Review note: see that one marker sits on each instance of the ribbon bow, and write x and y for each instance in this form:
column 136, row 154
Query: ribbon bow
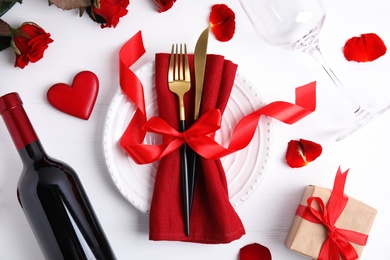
column 195, row 136
column 338, row 241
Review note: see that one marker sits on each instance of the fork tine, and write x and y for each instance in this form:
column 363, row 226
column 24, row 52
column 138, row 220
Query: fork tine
column 179, row 59
column 180, row 65
column 171, row 64
column 186, row 66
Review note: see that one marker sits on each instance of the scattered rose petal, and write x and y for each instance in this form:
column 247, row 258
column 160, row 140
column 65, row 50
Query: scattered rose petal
column 367, row 47
column 255, row 252
column 222, row 22
column 302, row 152
column 164, row 5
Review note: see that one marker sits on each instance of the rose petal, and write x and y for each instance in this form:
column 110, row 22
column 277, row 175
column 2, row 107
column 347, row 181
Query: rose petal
column 367, row 47
column 294, row 156
column 302, row 152
column 222, row 22
column 255, row 252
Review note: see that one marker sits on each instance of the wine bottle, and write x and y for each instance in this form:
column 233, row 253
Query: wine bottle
column 52, row 196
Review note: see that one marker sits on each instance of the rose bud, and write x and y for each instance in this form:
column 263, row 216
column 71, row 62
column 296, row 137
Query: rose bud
column 164, row 5
column 108, row 12
column 29, row 42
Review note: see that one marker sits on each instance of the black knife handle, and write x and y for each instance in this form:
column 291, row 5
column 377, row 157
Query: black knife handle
column 192, row 161
column 185, row 181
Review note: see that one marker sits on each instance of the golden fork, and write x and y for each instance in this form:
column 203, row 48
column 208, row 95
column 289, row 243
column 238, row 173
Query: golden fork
column 179, row 83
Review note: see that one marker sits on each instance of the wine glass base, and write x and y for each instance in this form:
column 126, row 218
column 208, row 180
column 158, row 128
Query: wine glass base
column 363, row 118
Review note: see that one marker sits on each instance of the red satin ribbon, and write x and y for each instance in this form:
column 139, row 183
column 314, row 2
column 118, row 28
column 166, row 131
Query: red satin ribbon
column 338, row 241
column 130, row 52
column 200, row 136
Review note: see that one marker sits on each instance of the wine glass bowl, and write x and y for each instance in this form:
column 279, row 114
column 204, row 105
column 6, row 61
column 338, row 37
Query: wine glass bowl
column 295, row 25
column 291, row 27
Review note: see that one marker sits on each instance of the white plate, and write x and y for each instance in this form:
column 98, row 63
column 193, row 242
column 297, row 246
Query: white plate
column 244, row 169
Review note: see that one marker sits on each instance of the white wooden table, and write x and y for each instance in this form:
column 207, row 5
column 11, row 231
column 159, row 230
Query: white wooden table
column 80, row 44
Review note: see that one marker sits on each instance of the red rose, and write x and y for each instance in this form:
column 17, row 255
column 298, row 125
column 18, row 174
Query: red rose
column 29, row 42
column 110, row 11
column 164, row 5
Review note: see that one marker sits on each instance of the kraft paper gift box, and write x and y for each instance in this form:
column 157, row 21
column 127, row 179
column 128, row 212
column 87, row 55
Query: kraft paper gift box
column 307, row 236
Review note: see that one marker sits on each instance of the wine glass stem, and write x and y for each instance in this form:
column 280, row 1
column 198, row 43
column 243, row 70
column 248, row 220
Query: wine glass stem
column 317, row 55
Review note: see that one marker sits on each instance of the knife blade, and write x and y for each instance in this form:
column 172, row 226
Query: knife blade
column 200, row 55
column 200, row 66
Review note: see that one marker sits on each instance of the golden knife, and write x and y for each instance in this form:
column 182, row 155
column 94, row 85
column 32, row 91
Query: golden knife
column 200, row 66
column 200, row 54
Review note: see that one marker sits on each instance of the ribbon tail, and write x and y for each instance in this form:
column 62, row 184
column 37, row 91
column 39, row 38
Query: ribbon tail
column 333, row 248
column 132, row 87
column 305, row 96
column 338, row 200
column 346, row 250
column 130, row 52
column 329, row 251
column 133, row 133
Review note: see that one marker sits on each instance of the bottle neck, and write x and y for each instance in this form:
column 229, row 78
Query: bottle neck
column 32, row 153
column 18, row 123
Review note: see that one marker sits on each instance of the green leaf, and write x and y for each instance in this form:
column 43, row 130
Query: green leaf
column 5, row 5
column 71, row 4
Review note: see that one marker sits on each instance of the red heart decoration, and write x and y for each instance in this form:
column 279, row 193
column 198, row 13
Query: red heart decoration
column 255, row 251
column 78, row 99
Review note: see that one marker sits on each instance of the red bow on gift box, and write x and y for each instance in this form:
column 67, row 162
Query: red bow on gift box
column 338, row 241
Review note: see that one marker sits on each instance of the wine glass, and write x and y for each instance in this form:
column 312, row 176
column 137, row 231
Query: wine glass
column 295, row 25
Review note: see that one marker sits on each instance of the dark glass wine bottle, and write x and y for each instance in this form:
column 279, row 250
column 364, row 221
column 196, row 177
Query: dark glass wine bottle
column 52, row 196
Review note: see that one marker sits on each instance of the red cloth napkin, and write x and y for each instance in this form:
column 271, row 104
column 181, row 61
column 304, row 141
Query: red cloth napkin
column 213, row 219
